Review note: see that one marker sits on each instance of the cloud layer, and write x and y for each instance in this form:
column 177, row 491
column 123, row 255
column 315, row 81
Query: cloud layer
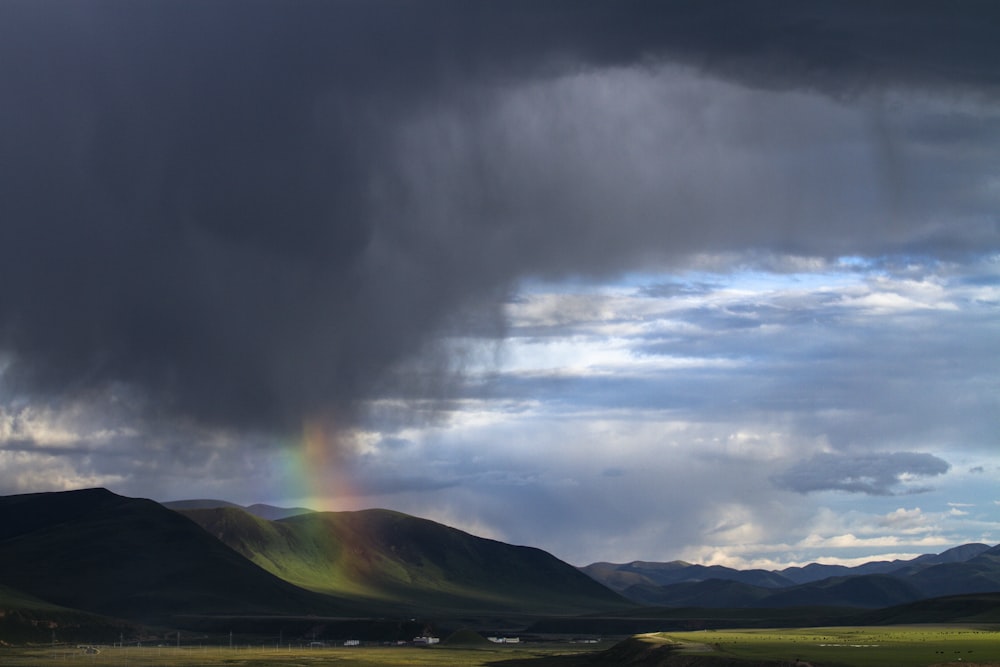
column 874, row 474
column 249, row 213
column 461, row 236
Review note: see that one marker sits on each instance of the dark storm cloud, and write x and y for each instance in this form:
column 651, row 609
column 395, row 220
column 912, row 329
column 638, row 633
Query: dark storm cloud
column 878, row 474
column 202, row 203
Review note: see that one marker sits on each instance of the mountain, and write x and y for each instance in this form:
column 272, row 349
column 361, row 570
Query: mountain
column 970, row 568
column 867, row 591
column 269, row 512
column 198, row 504
column 385, row 557
column 25, row 619
column 714, row 593
column 621, row 577
column 272, row 513
column 975, row 608
column 96, row 552
column 958, row 554
column 980, row 574
column 816, row 571
column 132, row 558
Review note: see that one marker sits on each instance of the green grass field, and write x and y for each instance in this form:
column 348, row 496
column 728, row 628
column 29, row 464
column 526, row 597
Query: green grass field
column 892, row 646
column 270, row 656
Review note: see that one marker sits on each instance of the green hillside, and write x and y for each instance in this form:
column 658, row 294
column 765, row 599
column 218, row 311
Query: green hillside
column 385, row 557
column 95, row 551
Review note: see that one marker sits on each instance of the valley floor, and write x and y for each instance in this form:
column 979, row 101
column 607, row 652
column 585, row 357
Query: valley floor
column 270, row 656
column 885, row 646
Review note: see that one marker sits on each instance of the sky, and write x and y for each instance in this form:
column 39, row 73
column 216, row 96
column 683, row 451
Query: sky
column 711, row 281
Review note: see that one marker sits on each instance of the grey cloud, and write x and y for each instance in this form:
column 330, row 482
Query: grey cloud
column 30, row 446
column 677, row 288
column 393, row 444
column 879, row 474
column 390, row 486
column 250, row 213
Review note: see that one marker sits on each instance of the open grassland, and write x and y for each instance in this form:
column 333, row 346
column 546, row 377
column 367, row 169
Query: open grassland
column 895, row 646
column 270, row 656
column 891, row 646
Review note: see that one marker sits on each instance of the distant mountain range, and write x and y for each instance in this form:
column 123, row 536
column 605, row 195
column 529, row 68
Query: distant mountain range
column 269, row 512
column 970, row 568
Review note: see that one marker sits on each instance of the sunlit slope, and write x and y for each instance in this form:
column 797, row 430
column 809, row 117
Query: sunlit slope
column 100, row 552
column 390, row 557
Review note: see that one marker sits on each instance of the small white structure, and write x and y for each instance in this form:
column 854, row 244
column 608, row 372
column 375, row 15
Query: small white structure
column 505, row 640
column 352, row 642
column 426, row 640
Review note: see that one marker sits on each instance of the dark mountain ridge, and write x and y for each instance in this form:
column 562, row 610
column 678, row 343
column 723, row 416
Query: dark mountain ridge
column 621, row 577
column 98, row 552
column 967, row 569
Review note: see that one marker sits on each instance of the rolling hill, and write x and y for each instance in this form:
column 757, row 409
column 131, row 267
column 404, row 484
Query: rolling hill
column 390, row 558
column 95, row 551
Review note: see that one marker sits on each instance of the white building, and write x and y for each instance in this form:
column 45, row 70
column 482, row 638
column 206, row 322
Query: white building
column 426, row 640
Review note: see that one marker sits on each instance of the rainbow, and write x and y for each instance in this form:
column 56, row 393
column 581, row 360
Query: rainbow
column 312, row 470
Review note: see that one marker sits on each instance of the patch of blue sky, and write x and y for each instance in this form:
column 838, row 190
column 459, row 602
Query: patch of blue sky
column 770, row 275
column 852, row 271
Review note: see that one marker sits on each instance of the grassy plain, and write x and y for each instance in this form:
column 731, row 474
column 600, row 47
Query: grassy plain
column 270, row 656
column 890, row 646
